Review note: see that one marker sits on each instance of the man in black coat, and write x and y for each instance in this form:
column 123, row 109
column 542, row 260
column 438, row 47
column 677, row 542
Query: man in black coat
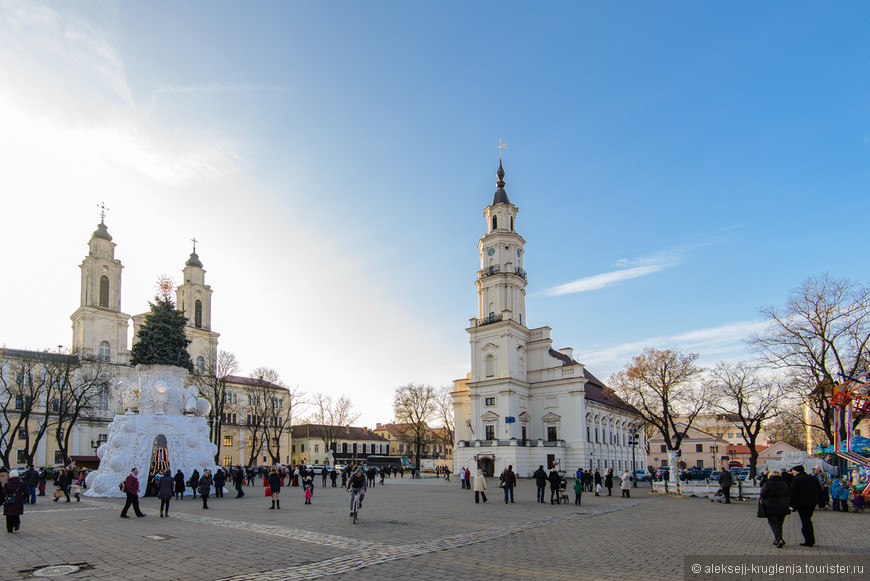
column 555, row 482
column 540, row 482
column 220, row 479
column 725, row 481
column 806, row 493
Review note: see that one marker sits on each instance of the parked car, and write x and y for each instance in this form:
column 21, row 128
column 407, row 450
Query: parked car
column 743, row 474
column 642, row 475
column 697, row 475
column 714, row 475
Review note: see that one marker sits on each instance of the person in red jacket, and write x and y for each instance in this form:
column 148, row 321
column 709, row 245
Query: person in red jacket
column 131, row 489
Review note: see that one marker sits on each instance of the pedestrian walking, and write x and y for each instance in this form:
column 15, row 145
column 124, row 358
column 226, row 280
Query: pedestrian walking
column 806, row 494
column 578, row 490
column 323, row 474
column 30, row 478
column 479, row 487
column 773, row 501
column 597, row 482
column 239, row 481
column 555, row 482
column 12, row 494
column 165, row 490
column 540, row 482
column 194, row 482
column 130, row 487
column 62, row 481
column 308, row 494
column 508, row 481
column 462, row 478
column 179, row 485
column 275, row 488
column 608, row 481
column 625, row 484
column 205, row 482
column 220, row 479
column 725, row 481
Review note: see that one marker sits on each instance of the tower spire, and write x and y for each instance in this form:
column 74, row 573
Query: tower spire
column 500, row 196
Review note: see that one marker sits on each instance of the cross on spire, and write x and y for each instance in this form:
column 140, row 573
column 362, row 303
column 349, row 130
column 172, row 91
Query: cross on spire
column 501, row 147
column 194, row 244
column 103, row 208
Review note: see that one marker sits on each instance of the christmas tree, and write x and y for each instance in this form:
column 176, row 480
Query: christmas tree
column 161, row 339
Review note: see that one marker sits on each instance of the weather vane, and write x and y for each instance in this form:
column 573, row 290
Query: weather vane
column 165, row 287
column 501, row 147
column 103, row 208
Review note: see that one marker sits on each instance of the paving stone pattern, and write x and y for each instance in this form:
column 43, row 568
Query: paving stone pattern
column 426, row 529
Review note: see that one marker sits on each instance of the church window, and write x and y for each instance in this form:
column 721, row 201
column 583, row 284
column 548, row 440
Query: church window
column 197, row 314
column 490, row 432
column 104, row 291
column 489, row 364
column 551, row 434
column 489, row 401
column 105, row 353
column 494, row 222
column 200, row 365
column 512, row 223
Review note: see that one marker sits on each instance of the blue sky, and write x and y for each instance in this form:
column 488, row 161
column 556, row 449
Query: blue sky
column 677, row 165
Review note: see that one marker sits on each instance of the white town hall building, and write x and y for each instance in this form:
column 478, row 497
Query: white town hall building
column 524, row 403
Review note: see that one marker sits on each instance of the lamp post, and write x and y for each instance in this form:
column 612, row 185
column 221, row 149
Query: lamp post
column 632, row 440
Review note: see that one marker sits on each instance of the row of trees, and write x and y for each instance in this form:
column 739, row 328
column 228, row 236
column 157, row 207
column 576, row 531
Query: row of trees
column 820, row 338
column 43, row 394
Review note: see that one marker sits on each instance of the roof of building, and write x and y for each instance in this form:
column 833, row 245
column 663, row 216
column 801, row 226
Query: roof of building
column 600, row 393
column 500, row 196
column 102, row 232
column 743, row 448
column 252, row 382
column 348, row 433
column 193, row 260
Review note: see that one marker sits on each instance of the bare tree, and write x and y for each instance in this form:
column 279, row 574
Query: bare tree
column 266, row 374
column 662, row 387
column 334, row 416
column 444, row 412
column 822, row 336
column 78, row 391
column 282, row 408
column 23, row 386
column 257, row 406
column 212, row 384
column 743, row 395
column 416, row 405
column 789, row 426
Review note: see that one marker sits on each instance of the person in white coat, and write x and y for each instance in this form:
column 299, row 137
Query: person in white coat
column 479, row 487
column 625, row 484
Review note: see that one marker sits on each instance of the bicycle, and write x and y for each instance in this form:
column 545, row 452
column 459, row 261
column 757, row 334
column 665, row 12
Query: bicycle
column 355, row 503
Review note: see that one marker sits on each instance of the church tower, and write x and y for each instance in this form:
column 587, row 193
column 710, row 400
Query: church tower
column 99, row 326
column 193, row 298
column 499, row 333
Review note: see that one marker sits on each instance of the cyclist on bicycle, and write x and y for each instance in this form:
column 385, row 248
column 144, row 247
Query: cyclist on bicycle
column 357, row 486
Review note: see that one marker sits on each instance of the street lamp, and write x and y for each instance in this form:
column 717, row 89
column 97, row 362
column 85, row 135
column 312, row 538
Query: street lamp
column 632, row 440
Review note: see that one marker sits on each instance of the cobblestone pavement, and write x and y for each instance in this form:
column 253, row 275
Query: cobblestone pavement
column 428, row 529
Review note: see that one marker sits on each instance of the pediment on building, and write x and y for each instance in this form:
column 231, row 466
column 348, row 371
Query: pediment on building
column 489, row 417
column 525, row 417
column 551, row 417
column 490, row 347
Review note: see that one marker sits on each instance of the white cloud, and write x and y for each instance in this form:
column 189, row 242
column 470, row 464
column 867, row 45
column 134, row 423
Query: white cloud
column 598, row 281
column 725, row 342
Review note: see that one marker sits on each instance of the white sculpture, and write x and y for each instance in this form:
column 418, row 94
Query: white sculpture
column 165, row 408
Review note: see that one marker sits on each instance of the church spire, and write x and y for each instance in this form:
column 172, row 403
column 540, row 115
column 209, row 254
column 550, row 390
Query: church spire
column 500, row 196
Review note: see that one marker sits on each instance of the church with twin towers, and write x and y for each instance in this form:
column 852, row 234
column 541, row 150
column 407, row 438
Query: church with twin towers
column 524, row 403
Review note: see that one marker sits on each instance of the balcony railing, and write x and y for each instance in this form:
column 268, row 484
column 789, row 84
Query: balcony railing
column 489, row 271
column 491, row 318
column 520, row 272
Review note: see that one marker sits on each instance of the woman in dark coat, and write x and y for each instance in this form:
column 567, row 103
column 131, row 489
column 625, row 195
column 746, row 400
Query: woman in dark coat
column 194, row 481
column 204, row 486
column 165, row 488
column 275, row 487
column 608, row 481
column 220, row 479
column 774, row 496
column 13, row 501
column 179, row 485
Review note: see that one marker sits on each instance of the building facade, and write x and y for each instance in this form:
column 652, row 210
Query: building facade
column 524, row 403
column 329, row 445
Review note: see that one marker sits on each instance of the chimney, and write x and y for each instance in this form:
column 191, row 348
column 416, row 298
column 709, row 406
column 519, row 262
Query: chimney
column 569, row 351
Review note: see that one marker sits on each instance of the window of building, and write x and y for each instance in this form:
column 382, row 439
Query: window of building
column 596, row 434
column 664, row 463
column 664, row 448
column 489, row 401
column 700, row 464
column 228, row 461
column 103, row 398
column 302, row 448
column 22, row 433
column 494, row 222
column 344, row 447
column 228, row 440
column 21, row 457
column 104, row 291
column 699, row 447
column 200, row 365
column 105, row 352
column 490, row 432
column 197, row 314
column 316, row 448
column 58, row 457
column 489, row 364
column 551, row 433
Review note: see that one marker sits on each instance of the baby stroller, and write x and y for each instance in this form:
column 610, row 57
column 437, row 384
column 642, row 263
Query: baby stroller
column 563, row 487
column 718, row 497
